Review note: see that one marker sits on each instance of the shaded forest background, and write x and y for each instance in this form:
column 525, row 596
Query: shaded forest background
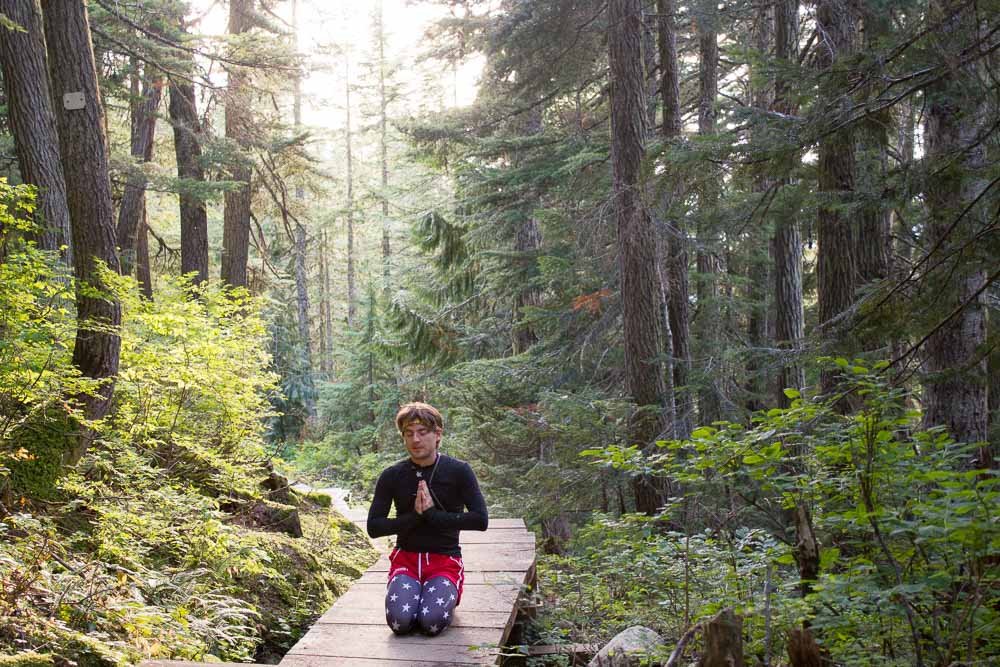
column 707, row 293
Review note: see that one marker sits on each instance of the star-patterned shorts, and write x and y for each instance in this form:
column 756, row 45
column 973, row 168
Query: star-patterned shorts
column 422, row 592
column 423, row 566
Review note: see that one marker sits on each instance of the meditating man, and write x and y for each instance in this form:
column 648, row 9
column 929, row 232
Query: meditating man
column 435, row 496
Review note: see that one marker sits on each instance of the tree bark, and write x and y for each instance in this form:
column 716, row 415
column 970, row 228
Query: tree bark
column 786, row 244
column 130, row 215
column 676, row 272
column 723, row 641
column 756, row 251
column 236, row 218
column 709, row 313
column 383, row 146
column 187, row 149
column 836, row 268
column 955, row 380
column 636, row 238
column 301, row 271
column 84, row 151
column 352, row 288
column 143, row 272
column 33, row 122
column 527, row 241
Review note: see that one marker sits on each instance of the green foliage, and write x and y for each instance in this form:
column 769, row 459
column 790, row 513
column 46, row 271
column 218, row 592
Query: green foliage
column 37, row 377
column 135, row 553
column 906, row 528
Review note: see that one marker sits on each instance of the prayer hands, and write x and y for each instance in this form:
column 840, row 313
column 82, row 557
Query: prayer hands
column 423, row 501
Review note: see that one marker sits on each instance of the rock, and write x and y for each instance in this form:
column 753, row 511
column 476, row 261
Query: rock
column 626, row 648
column 277, row 489
column 277, row 517
column 27, row 659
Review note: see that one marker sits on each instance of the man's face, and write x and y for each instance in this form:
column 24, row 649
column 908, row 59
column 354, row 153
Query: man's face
column 421, row 442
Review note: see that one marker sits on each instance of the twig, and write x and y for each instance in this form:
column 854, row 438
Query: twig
column 678, row 652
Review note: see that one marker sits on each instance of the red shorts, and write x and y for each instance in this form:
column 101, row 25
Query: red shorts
column 423, row 566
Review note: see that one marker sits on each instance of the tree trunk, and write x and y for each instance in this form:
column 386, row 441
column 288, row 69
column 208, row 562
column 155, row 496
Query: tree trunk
column 527, row 241
column 723, row 641
column 352, row 288
column 301, row 271
column 636, row 238
column 786, row 244
column 84, row 151
column 836, row 268
column 133, row 203
column 526, row 244
column 302, row 311
column 236, row 219
column 326, row 316
column 757, row 253
column 955, row 383
column 676, row 273
column 142, row 268
column 187, row 149
column 383, row 150
column 709, row 312
column 872, row 243
column 33, row 122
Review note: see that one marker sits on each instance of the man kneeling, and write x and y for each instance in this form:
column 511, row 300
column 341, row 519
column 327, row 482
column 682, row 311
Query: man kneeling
column 436, row 496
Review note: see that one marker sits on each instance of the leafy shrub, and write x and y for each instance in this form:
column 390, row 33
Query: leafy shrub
column 130, row 555
column 906, row 529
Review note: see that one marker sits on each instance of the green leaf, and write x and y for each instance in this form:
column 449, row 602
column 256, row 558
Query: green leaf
column 792, row 393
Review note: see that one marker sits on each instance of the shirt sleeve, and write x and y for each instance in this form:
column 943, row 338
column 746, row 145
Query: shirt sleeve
column 474, row 518
column 379, row 523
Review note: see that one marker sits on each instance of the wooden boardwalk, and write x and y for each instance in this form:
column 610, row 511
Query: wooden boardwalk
column 499, row 563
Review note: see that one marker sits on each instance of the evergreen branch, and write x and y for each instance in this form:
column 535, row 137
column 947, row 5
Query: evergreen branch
column 156, row 37
column 954, row 313
column 146, row 60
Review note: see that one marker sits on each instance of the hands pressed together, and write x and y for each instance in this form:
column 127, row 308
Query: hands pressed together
column 423, row 501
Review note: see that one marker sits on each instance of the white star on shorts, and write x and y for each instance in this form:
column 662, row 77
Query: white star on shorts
column 393, row 597
column 440, row 600
column 446, row 583
column 416, row 597
column 406, row 607
column 395, row 625
column 434, row 628
column 406, row 586
column 446, row 614
column 425, row 611
column 431, row 589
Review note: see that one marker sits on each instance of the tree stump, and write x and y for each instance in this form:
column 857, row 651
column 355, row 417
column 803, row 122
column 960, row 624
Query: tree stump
column 723, row 641
column 803, row 651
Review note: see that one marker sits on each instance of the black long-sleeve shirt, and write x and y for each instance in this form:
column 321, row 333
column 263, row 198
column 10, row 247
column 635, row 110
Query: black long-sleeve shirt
column 458, row 505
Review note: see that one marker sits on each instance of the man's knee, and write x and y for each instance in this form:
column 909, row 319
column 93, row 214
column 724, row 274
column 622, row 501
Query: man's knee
column 402, row 602
column 437, row 606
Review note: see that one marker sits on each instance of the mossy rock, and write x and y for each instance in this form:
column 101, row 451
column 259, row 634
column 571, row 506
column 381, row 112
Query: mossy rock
column 27, row 659
column 311, row 499
column 45, row 438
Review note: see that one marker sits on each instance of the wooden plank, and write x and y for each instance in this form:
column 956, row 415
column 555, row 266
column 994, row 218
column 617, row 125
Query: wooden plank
column 328, row 661
column 364, row 635
column 376, row 616
column 485, row 558
column 471, row 577
column 476, row 597
column 498, row 536
column 361, row 516
column 388, row 647
column 189, row 663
